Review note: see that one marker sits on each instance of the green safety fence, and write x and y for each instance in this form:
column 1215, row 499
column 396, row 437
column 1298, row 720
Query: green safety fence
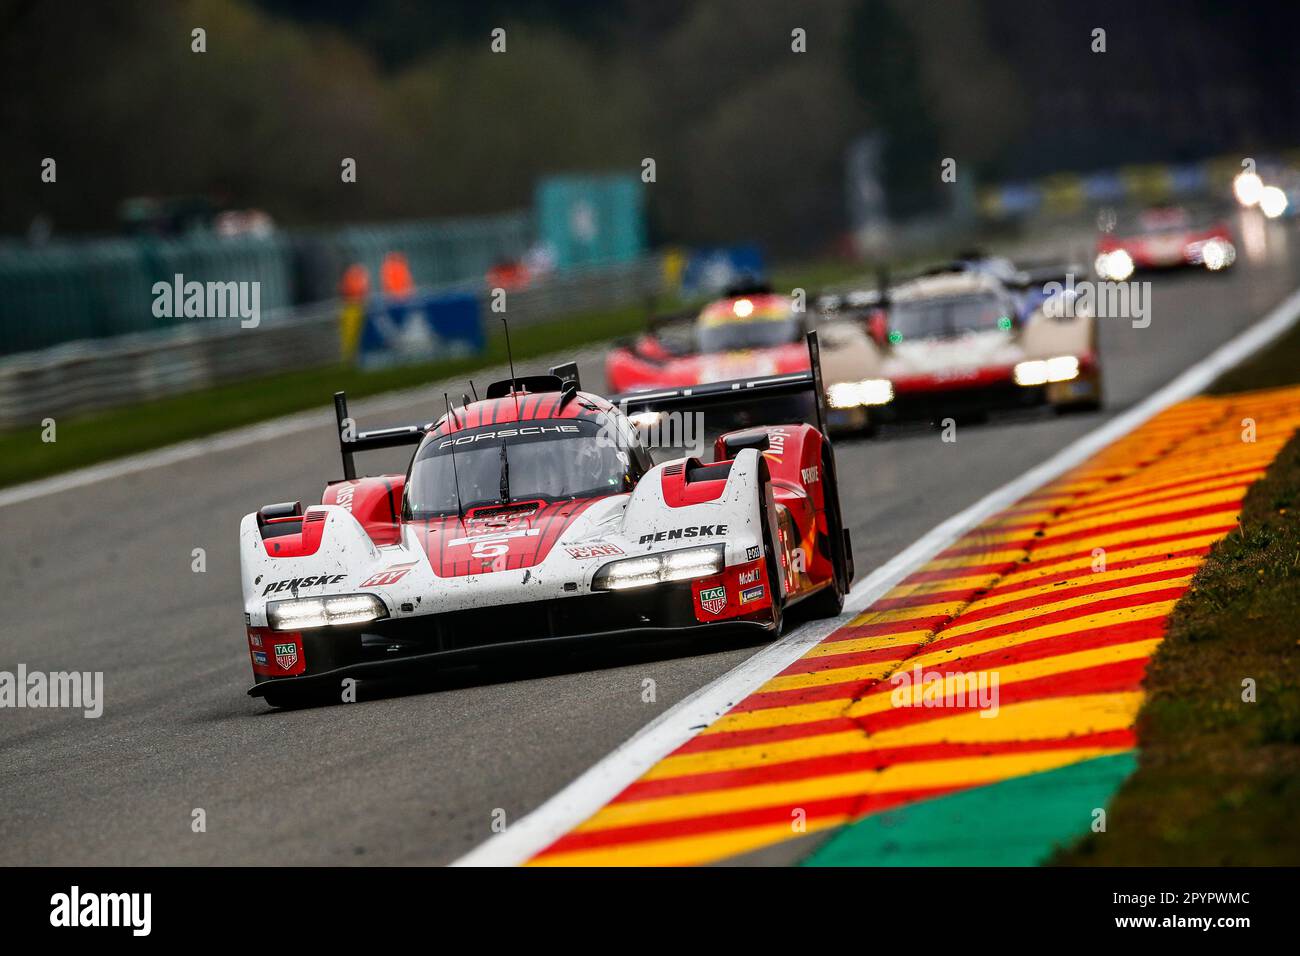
column 61, row 292
column 64, row 292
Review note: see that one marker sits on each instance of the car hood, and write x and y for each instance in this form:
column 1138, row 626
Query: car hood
column 495, row 539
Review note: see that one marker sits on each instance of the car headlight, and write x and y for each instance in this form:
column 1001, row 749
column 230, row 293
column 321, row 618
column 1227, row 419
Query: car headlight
column 1247, row 188
column 1216, row 254
column 1062, row 368
column 1272, row 201
column 339, row 609
column 871, row 391
column 659, row 568
column 1116, row 265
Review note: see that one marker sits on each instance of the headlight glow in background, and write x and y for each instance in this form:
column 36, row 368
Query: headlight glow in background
column 1061, row 368
column 871, row 391
column 1116, row 265
column 1272, row 201
column 1247, row 187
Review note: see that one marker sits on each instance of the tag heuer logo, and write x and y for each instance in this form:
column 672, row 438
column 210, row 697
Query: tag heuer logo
column 713, row 600
column 286, row 655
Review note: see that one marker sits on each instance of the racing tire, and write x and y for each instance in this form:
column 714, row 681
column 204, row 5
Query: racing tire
column 829, row 601
column 1078, row 408
column 285, row 698
column 769, row 550
column 1088, row 405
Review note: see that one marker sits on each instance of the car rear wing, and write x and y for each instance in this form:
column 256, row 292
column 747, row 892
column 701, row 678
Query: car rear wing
column 1041, row 274
column 855, row 300
column 805, row 388
column 352, row 441
column 658, row 321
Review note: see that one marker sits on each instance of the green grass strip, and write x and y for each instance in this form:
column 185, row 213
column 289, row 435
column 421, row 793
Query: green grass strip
column 1016, row 822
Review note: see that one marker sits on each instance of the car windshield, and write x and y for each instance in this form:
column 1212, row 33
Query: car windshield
column 747, row 324
column 1161, row 221
column 948, row 316
column 548, row 460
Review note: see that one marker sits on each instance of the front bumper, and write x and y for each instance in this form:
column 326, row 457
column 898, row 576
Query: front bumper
column 937, row 404
column 391, row 647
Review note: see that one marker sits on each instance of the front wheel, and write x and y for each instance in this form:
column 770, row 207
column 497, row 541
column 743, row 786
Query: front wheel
column 294, row 698
column 828, row 602
column 1086, row 393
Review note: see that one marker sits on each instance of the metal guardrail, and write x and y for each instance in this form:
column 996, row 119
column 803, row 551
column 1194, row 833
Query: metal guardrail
column 81, row 377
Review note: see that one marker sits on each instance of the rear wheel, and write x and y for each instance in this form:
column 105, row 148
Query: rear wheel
column 829, row 601
column 769, row 549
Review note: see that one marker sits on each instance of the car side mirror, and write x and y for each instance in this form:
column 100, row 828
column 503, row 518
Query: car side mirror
column 755, row 438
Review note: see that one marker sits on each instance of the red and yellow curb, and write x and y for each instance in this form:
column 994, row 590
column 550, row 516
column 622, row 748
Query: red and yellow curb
column 1058, row 602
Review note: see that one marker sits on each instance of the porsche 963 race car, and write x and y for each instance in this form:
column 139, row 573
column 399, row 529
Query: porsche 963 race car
column 962, row 342
column 537, row 515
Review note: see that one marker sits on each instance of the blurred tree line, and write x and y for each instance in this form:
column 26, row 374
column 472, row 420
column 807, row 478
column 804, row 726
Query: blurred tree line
column 748, row 136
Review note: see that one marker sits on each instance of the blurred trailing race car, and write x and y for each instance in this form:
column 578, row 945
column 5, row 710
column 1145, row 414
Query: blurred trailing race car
column 1028, row 284
column 749, row 332
column 1163, row 237
column 961, row 343
column 535, row 515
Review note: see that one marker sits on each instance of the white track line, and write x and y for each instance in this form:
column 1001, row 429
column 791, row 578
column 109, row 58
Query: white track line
column 591, row 791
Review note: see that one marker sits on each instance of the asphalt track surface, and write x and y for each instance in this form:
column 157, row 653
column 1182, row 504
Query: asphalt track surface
column 99, row 578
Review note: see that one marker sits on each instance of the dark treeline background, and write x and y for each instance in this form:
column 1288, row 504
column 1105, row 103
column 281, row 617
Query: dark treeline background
column 748, row 137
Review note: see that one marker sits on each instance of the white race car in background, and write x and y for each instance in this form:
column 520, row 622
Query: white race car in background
column 962, row 343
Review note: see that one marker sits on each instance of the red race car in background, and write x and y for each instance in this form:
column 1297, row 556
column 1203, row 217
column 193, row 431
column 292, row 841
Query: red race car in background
column 739, row 336
column 751, row 332
column 1163, row 237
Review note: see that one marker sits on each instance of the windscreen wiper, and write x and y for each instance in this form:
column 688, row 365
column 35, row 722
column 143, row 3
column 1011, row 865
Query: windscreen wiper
column 505, row 476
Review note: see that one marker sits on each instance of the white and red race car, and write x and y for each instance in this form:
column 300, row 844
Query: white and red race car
column 537, row 515
column 1163, row 237
column 964, row 343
